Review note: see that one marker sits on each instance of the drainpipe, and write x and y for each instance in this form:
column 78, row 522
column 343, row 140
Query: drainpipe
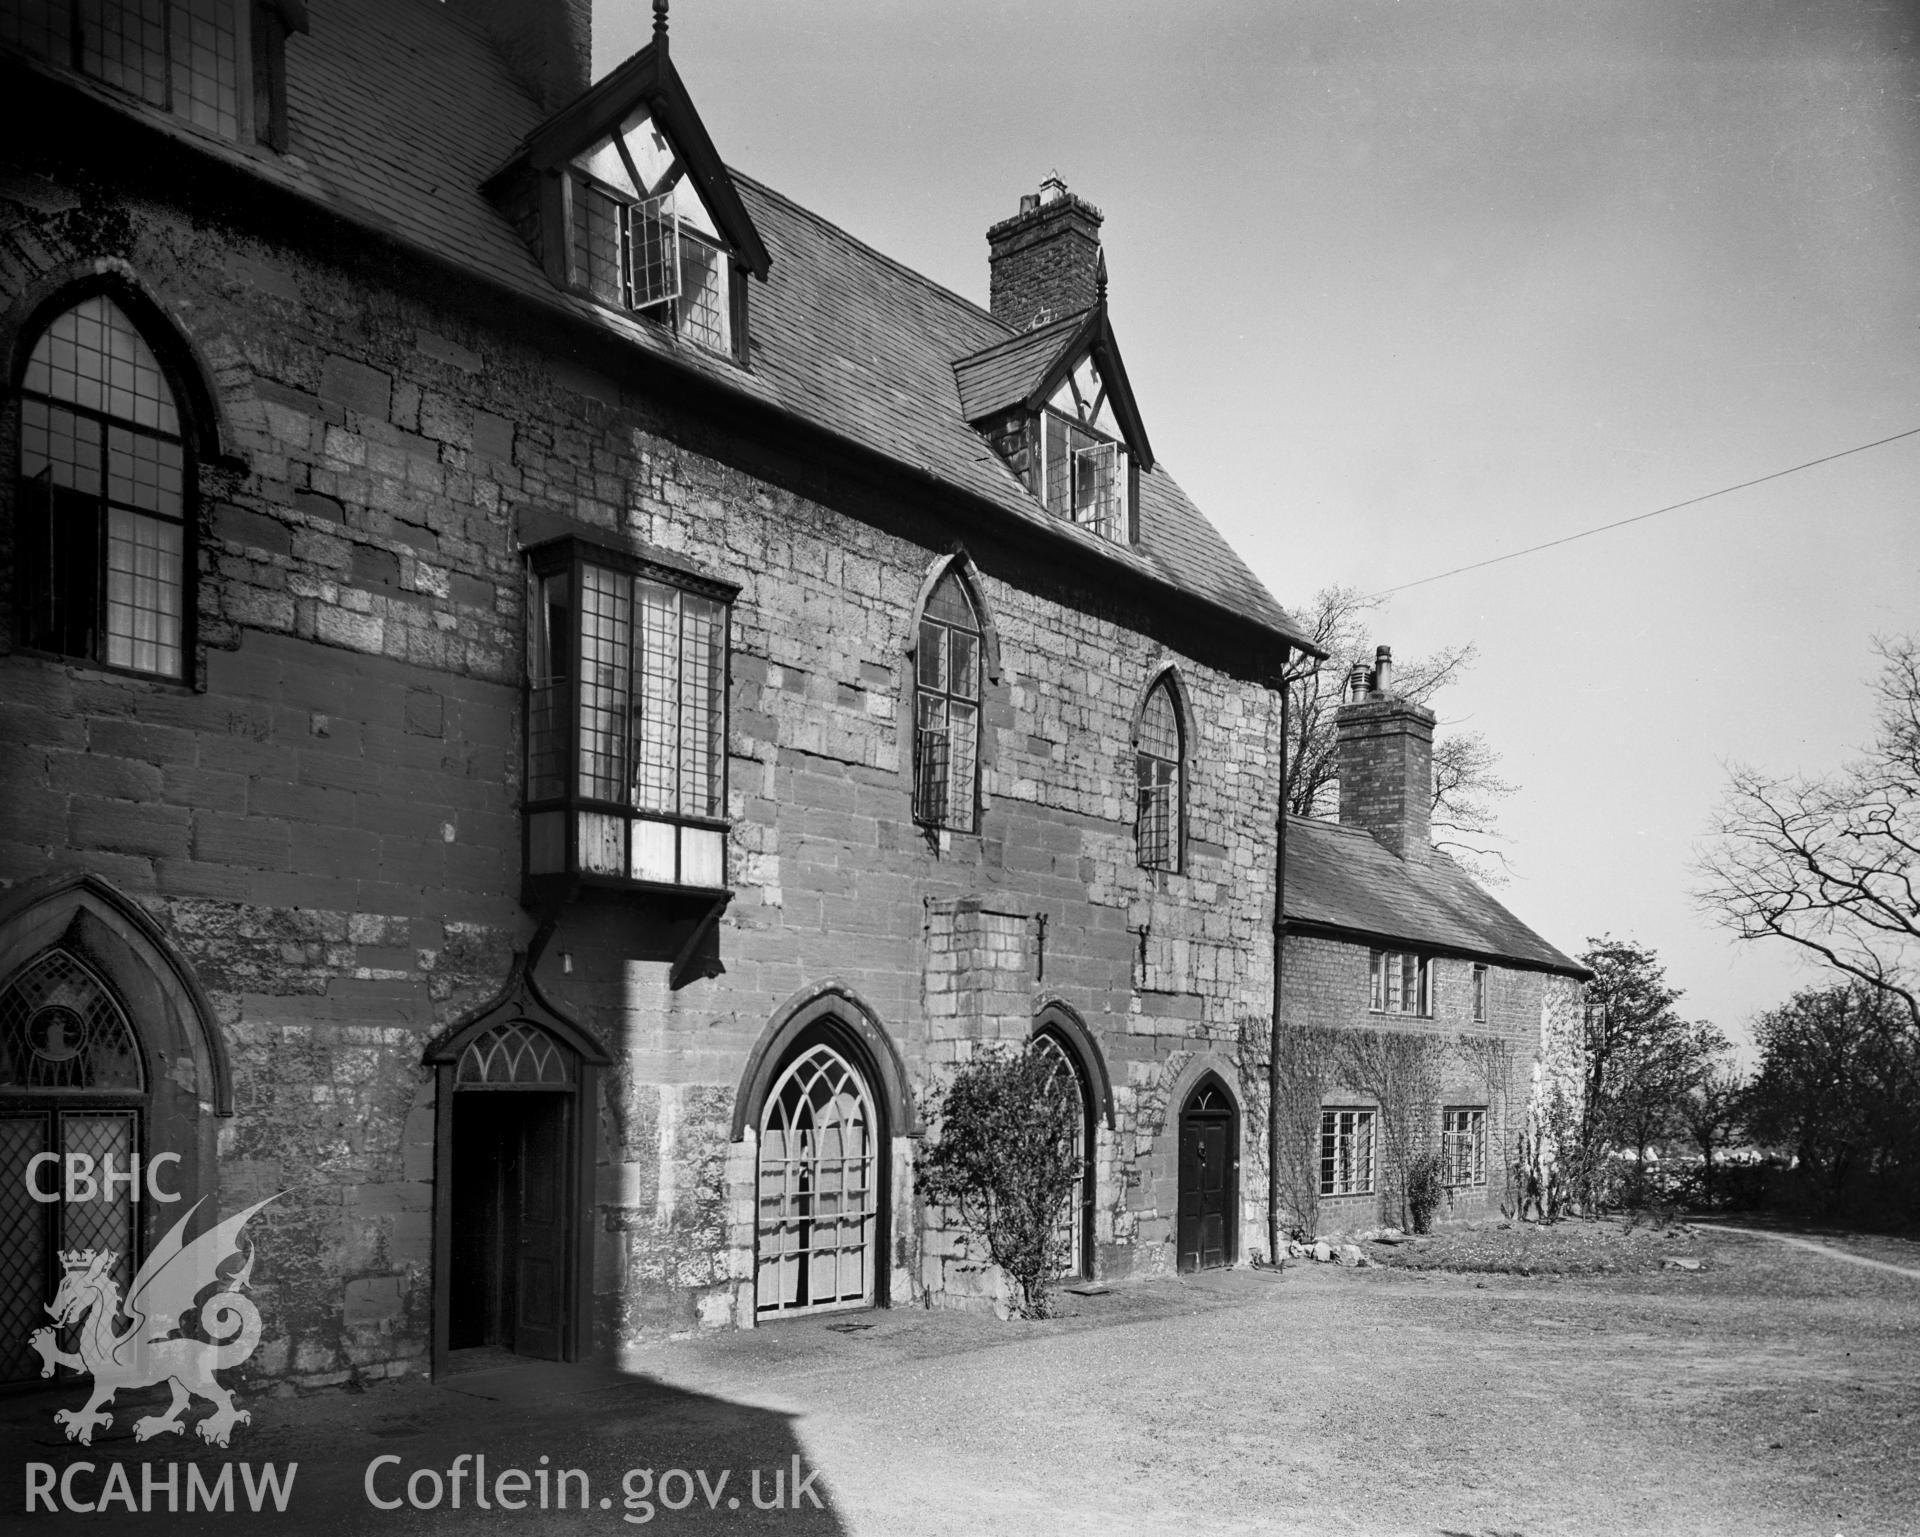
column 1279, row 953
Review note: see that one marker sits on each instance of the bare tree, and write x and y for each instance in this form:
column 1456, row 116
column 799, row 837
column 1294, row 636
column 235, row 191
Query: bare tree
column 1465, row 782
column 1831, row 863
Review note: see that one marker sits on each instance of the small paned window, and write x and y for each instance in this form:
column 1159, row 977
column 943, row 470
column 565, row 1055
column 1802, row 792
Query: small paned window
column 1158, row 757
column 1399, row 983
column 1346, row 1152
column 101, row 537
column 641, row 254
column 1479, row 995
column 946, row 736
column 182, row 56
column 626, row 720
column 1463, row 1146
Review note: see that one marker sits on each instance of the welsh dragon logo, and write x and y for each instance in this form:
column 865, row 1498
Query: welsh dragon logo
column 152, row 1349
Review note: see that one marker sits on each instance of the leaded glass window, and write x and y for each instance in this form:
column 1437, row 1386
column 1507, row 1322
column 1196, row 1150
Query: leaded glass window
column 102, row 531
column 71, row 1082
column 946, row 742
column 182, row 56
column 626, row 720
column 1159, row 755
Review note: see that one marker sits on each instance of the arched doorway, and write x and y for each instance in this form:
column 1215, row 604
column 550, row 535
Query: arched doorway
column 1209, row 1176
column 1077, row 1220
column 513, row 1143
column 819, row 1188
column 513, row 1108
column 73, row 1110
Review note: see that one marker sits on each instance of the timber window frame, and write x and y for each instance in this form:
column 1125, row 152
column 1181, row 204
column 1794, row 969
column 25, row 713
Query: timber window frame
column 105, row 513
column 1463, row 1146
column 1348, row 1141
column 639, row 255
column 1480, row 993
column 1160, row 775
column 628, row 672
column 1400, row 982
column 948, row 685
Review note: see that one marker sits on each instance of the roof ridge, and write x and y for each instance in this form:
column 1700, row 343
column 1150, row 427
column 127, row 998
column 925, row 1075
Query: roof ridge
column 1020, row 337
column 876, row 253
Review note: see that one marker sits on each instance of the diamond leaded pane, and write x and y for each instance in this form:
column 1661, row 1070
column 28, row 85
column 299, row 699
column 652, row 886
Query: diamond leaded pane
column 61, row 1029
column 23, row 1258
column 105, row 1221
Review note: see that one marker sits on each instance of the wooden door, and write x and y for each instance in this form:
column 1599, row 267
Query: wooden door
column 540, row 1280
column 1207, row 1168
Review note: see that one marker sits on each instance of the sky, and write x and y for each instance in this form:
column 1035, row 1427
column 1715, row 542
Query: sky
column 1407, row 286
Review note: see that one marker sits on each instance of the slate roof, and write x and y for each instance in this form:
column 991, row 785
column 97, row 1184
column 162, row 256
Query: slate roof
column 1008, row 372
column 399, row 110
column 1344, row 879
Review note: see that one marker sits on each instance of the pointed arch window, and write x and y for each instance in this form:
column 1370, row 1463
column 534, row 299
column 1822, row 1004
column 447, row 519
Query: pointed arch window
column 72, row 1088
column 946, row 736
column 103, row 532
column 1160, row 761
column 1075, row 1224
column 818, row 1183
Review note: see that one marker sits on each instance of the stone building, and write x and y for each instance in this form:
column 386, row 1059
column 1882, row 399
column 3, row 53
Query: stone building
column 548, row 691
column 1422, row 1017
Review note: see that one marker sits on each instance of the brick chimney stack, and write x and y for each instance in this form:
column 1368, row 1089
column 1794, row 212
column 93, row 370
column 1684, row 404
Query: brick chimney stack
column 1043, row 262
column 548, row 44
column 1384, row 753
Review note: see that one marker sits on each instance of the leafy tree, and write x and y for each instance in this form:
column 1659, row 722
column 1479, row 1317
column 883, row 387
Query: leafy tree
column 1004, row 1162
column 1831, row 863
column 1466, row 783
column 1839, row 1086
column 1712, row 1114
column 1642, row 1059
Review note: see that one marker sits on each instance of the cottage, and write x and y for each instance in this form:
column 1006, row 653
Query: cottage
column 1421, row 1019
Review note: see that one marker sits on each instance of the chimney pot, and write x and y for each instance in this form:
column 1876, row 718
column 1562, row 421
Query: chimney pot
column 1045, row 258
column 1384, row 756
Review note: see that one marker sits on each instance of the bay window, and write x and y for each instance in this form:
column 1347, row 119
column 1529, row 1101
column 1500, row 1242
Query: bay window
column 626, row 720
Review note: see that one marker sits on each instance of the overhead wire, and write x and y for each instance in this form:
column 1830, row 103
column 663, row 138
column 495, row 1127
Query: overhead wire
column 1641, row 517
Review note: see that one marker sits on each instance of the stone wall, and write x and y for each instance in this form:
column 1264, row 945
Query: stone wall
column 325, row 822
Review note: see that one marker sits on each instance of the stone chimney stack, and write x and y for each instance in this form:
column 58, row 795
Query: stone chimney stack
column 1385, row 757
column 548, row 44
column 1043, row 263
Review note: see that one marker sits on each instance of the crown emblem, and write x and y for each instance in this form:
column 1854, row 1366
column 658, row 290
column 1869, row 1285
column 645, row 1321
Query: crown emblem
column 77, row 1259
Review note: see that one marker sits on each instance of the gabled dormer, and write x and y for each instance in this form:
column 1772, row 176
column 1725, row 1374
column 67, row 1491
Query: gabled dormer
column 624, row 199
column 1054, row 401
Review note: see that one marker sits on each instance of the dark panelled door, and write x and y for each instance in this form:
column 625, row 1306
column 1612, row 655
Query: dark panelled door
column 1207, row 1144
column 539, row 1325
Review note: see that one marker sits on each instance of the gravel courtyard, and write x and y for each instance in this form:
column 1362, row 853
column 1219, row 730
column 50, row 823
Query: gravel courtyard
column 1774, row 1391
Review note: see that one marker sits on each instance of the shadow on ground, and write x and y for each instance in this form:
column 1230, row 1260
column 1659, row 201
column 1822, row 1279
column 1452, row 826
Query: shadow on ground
column 528, row 1446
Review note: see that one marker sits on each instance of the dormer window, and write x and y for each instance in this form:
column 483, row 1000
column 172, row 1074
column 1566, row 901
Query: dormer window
column 639, row 237
column 623, row 198
column 1083, row 465
column 1055, row 404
